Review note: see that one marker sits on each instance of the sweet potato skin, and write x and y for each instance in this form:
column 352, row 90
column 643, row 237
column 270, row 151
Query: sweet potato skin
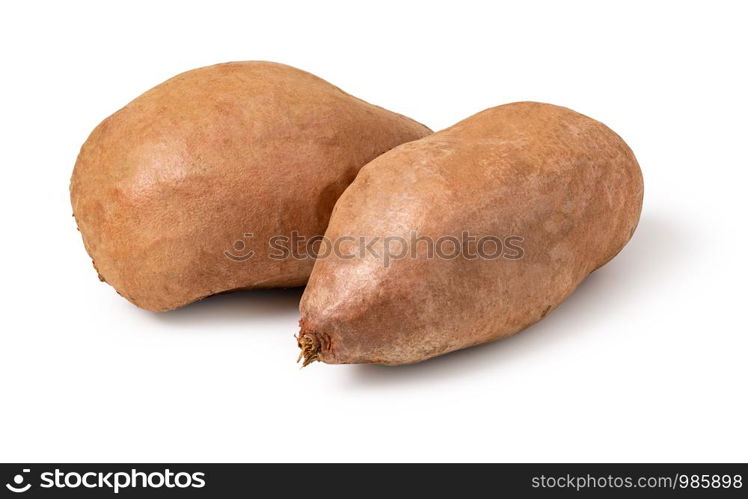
column 565, row 183
column 163, row 187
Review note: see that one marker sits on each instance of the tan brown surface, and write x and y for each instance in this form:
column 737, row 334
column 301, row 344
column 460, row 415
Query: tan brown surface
column 565, row 183
column 168, row 183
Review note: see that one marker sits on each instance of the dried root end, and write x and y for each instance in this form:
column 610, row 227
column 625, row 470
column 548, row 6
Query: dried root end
column 310, row 348
column 315, row 345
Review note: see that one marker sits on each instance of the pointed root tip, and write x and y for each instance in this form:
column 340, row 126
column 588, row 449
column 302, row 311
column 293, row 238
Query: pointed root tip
column 310, row 347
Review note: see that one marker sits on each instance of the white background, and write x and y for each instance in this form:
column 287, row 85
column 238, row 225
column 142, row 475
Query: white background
column 645, row 362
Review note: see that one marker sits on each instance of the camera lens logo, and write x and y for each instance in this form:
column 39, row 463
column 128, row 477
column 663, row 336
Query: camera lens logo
column 19, row 488
column 240, row 247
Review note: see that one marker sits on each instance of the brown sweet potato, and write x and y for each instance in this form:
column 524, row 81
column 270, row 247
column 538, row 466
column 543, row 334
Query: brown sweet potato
column 566, row 187
column 169, row 184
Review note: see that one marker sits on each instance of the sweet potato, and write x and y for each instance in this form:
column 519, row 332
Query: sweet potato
column 216, row 161
column 565, row 187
